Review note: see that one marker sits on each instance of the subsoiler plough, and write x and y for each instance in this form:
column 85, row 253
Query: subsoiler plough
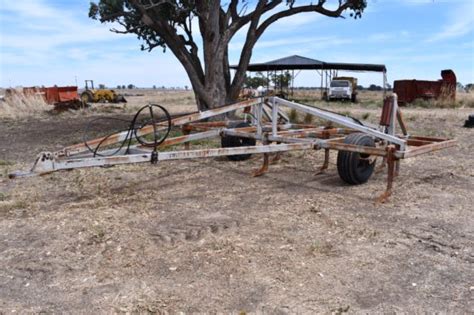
column 263, row 127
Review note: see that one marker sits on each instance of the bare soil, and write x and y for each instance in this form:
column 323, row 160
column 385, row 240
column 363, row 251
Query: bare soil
column 204, row 236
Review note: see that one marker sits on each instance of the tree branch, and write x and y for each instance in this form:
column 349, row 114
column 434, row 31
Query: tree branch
column 176, row 43
column 307, row 8
column 262, row 8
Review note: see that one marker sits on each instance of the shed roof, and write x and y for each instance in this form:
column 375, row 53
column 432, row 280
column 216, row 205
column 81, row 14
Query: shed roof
column 296, row 62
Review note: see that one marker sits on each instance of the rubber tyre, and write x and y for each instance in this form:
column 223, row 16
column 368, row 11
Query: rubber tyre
column 120, row 99
column 354, row 168
column 87, row 97
column 354, row 98
column 234, row 142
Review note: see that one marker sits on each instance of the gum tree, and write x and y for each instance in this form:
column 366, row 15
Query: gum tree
column 169, row 25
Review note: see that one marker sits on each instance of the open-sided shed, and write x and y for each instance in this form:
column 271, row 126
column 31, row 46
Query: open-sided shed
column 326, row 70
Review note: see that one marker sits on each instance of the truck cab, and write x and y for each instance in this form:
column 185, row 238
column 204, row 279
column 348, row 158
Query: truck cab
column 343, row 88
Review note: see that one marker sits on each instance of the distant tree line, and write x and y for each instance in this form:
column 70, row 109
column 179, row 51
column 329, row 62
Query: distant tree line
column 283, row 80
column 154, row 87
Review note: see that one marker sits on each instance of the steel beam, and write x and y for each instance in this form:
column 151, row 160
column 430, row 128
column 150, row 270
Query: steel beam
column 50, row 164
column 121, row 136
column 342, row 120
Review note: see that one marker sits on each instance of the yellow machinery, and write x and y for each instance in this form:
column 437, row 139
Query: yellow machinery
column 91, row 95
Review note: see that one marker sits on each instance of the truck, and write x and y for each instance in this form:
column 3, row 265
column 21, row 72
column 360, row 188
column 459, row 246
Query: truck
column 343, row 88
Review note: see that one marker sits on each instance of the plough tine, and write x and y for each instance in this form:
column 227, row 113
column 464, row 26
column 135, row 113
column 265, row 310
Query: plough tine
column 264, row 167
column 390, row 175
column 276, row 158
column 325, row 163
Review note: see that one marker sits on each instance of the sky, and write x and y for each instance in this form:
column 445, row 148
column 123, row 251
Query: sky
column 48, row 42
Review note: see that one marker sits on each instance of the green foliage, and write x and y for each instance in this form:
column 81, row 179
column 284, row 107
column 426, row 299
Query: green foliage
column 308, row 119
column 129, row 15
column 254, row 82
column 374, row 87
column 5, row 163
column 171, row 24
column 282, row 80
column 293, row 115
column 178, row 15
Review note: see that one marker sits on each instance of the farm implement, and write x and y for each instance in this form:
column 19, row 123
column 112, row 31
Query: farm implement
column 262, row 127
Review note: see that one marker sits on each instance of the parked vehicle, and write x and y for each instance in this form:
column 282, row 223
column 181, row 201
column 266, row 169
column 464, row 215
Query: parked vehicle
column 92, row 95
column 343, row 88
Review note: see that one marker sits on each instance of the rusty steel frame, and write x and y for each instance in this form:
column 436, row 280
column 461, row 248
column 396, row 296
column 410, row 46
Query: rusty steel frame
column 273, row 129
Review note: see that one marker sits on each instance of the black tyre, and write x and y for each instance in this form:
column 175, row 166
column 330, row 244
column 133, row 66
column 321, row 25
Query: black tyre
column 87, row 97
column 354, row 98
column 120, row 99
column 233, row 142
column 355, row 168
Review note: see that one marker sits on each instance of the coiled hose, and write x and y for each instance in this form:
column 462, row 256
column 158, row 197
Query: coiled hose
column 159, row 123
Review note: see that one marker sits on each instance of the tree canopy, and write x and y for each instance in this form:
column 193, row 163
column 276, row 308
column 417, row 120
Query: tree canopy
column 169, row 25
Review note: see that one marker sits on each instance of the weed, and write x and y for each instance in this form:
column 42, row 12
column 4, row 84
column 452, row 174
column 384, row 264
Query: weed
column 5, row 163
column 320, row 248
column 9, row 206
column 293, row 115
column 98, row 234
column 308, row 118
column 79, row 182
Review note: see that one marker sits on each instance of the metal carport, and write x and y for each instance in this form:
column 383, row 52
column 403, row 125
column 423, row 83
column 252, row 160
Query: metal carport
column 326, row 70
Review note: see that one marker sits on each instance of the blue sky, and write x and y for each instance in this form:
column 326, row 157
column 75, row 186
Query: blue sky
column 47, row 42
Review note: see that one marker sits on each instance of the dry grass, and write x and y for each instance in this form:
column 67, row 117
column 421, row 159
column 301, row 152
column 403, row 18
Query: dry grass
column 174, row 101
column 19, row 105
column 465, row 99
column 364, row 98
column 374, row 99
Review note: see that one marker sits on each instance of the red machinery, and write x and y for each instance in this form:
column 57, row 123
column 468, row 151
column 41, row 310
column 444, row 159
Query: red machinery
column 409, row 90
column 56, row 94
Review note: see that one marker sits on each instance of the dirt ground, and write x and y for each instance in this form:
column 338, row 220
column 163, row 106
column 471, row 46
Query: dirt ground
column 204, row 236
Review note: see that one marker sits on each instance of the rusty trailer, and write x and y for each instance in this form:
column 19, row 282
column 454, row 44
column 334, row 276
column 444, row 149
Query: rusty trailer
column 262, row 128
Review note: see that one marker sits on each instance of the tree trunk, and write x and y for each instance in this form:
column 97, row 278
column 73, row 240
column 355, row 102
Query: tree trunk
column 216, row 90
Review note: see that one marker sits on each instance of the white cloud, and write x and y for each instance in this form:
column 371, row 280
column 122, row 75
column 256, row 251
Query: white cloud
column 43, row 45
column 460, row 23
column 39, row 27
